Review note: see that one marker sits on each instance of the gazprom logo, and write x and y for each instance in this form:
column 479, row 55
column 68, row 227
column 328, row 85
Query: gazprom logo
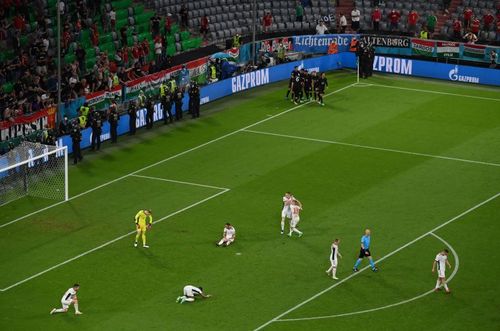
column 454, row 76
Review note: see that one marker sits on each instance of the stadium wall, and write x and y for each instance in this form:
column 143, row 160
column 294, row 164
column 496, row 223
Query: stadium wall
column 225, row 88
column 443, row 71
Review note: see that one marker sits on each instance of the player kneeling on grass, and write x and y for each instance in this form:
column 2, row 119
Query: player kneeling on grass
column 190, row 292
column 141, row 226
column 69, row 298
column 228, row 235
column 333, row 259
column 296, row 208
column 441, row 261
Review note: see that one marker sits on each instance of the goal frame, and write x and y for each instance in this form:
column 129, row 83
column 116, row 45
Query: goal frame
column 61, row 149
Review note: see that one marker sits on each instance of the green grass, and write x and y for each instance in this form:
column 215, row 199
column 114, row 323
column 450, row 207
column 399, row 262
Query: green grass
column 374, row 159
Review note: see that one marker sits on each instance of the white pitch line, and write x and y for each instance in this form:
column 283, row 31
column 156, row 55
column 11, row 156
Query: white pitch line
column 172, row 157
column 180, row 182
column 455, row 270
column 436, row 92
column 374, row 148
column 378, row 261
column 110, row 242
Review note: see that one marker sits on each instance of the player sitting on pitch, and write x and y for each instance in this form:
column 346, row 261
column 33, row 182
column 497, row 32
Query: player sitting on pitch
column 228, row 235
column 190, row 292
column 69, row 298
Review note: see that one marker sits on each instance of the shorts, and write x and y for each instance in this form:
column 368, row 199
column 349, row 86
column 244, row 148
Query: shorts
column 307, row 87
column 334, row 263
column 364, row 253
column 66, row 303
column 142, row 228
column 229, row 239
column 355, row 25
column 286, row 213
column 294, row 222
column 441, row 273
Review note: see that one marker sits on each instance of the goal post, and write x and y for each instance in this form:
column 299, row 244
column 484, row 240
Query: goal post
column 35, row 170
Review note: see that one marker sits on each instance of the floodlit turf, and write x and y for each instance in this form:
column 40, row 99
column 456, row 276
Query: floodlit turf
column 394, row 158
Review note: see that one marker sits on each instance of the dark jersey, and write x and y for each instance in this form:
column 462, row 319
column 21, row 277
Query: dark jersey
column 314, row 80
column 298, row 81
column 308, row 80
column 322, row 84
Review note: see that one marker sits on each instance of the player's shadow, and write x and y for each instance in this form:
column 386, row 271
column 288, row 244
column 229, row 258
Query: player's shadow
column 154, row 260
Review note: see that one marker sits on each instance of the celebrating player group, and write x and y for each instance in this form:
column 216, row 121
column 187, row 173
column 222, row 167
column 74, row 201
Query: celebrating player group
column 304, row 85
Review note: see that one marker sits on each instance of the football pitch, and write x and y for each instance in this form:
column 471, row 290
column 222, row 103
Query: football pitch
column 416, row 161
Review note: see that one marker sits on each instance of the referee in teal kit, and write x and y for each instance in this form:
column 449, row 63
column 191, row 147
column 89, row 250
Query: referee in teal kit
column 365, row 252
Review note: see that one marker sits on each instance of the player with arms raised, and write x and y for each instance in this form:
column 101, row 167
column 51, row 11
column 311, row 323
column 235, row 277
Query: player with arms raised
column 142, row 226
column 441, row 261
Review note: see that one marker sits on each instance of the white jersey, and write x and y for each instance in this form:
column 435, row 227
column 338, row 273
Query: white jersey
column 441, row 264
column 334, row 253
column 286, row 211
column 191, row 291
column 229, row 232
column 295, row 211
column 69, row 295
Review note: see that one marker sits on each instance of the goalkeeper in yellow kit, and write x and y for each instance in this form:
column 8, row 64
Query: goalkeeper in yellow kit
column 142, row 225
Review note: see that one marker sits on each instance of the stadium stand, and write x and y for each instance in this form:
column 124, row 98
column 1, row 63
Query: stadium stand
column 229, row 17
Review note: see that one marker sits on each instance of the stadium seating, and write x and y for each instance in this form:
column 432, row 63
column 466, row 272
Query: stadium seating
column 228, row 17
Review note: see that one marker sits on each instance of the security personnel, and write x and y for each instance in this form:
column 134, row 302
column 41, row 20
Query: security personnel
column 150, row 111
column 166, row 103
column 371, row 58
column 113, row 119
column 212, row 72
column 96, row 125
column 82, row 121
column 76, row 138
column 141, row 100
column 237, row 40
column 194, row 100
column 172, row 84
column 163, row 89
column 178, row 96
column 85, row 109
column 281, row 52
column 132, row 113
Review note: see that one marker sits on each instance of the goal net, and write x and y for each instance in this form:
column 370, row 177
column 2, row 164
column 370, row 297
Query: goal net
column 36, row 170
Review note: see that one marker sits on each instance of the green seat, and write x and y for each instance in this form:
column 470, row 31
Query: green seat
column 122, row 14
column 138, row 10
column 170, row 40
column 171, row 49
column 196, row 42
column 103, row 39
column 8, row 87
column 174, row 29
column 185, row 35
column 69, row 58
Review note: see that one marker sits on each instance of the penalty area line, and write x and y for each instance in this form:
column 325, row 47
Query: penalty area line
column 455, row 270
column 110, row 242
column 278, row 317
column 172, row 157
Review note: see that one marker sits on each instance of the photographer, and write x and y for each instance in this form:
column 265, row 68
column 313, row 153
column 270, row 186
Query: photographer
column 194, row 100
column 132, row 113
column 113, row 119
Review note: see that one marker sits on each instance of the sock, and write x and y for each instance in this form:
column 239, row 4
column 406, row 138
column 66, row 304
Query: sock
column 290, row 233
column 446, row 287
column 296, row 231
column 320, row 98
column 144, row 239
column 137, row 237
column 358, row 262
column 334, row 272
column 438, row 283
column 221, row 242
column 372, row 264
column 76, row 307
column 329, row 269
column 188, row 299
column 228, row 243
column 60, row 310
column 287, row 93
column 282, row 225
